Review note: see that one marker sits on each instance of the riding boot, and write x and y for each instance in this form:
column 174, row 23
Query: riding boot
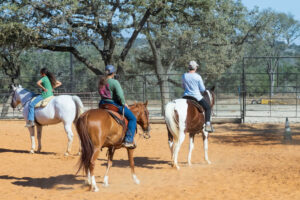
column 208, row 127
column 30, row 123
column 130, row 145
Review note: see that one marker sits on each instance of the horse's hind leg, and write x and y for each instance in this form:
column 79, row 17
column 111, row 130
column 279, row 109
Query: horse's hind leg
column 191, row 149
column 205, row 145
column 39, row 137
column 94, row 187
column 177, row 148
column 110, row 155
column 31, row 131
column 131, row 162
column 68, row 129
column 171, row 142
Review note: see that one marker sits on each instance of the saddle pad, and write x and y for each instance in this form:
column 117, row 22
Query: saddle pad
column 44, row 102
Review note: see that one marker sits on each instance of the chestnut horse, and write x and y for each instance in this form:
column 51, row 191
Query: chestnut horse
column 97, row 129
column 182, row 116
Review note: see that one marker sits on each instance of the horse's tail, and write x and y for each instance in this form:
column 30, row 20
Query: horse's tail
column 171, row 120
column 79, row 107
column 87, row 147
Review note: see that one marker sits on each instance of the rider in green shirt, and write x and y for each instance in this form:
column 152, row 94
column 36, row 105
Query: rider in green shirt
column 47, row 83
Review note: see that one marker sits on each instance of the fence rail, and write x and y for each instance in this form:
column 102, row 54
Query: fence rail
column 238, row 95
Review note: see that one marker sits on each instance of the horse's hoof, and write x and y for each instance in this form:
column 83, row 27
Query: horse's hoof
column 135, row 179
column 190, row 164
column 208, row 162
column 31, row 151
column 66, row 154
column 86, row 182
column 78, row 154
column 105, row 184
column 95, row 189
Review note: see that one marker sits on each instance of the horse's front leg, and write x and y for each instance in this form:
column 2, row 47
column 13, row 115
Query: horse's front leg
column 31, row 131
column 39, row 137
column 205, row 145
column 110, row 155
column 131, row 162
column 68, row 129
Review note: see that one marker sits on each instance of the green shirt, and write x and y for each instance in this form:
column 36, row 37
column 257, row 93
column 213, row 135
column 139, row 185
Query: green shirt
column 46, row 84
column 116, row 91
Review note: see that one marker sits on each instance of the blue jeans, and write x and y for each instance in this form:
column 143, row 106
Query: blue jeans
column 129, row 116
column 31, row 107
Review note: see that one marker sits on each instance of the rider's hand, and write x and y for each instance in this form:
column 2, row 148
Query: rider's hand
column 45, row 90
column 126, row 105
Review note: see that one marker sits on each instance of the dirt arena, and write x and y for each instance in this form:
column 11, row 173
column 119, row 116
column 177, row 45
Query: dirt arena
column 248, row 162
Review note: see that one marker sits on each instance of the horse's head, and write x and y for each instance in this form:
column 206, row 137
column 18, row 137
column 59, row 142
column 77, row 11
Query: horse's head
column 15, row 100
column 210, row 96
column 142, row 115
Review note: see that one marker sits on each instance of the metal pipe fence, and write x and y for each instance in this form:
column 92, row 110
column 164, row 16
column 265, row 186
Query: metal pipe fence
column 238, row 95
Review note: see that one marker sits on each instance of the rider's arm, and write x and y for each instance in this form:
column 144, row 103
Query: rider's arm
column 57, row 84
column 39, row 83
column 201, row 84
column 119, row 92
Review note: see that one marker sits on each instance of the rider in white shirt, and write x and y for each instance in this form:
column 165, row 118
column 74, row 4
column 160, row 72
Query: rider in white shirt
column 193, row 87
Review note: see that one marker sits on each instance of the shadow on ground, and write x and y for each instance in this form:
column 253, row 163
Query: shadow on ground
column 46, row 183
column 143, row 162
column 2, row 150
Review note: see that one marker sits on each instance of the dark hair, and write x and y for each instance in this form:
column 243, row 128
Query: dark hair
column 49, row 75
column 102, row 81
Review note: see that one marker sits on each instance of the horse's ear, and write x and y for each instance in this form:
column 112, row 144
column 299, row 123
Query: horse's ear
column 212, row 88
column 13, row 87
column 146, row 103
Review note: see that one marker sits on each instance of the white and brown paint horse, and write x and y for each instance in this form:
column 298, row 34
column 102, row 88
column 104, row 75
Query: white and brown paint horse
column 182, row 116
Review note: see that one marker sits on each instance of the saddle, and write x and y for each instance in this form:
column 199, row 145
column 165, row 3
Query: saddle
column 195, row 103
column 113, row 111
column 43, row 103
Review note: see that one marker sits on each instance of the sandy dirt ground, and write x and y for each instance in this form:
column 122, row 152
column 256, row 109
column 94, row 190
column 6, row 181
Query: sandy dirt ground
column 248, row 162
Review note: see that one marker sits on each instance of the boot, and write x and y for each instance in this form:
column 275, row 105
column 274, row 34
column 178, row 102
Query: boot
column 129, row 145
column 30, row 124
column 208, row 127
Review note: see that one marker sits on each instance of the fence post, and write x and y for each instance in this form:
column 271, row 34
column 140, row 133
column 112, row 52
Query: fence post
column 243, row 93
column 296, row 95
column 144, row 87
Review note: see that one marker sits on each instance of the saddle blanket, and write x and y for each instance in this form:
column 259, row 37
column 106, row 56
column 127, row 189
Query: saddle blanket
column 43, row 103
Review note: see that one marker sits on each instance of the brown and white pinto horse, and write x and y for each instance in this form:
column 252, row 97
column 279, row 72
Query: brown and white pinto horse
column 97, row 129
column 182, row 116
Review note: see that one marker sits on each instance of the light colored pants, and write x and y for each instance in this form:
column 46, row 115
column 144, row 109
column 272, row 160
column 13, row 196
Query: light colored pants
column 31, row 107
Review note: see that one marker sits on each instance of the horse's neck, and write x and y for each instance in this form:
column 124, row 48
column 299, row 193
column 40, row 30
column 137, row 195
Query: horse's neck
column 25, row 96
